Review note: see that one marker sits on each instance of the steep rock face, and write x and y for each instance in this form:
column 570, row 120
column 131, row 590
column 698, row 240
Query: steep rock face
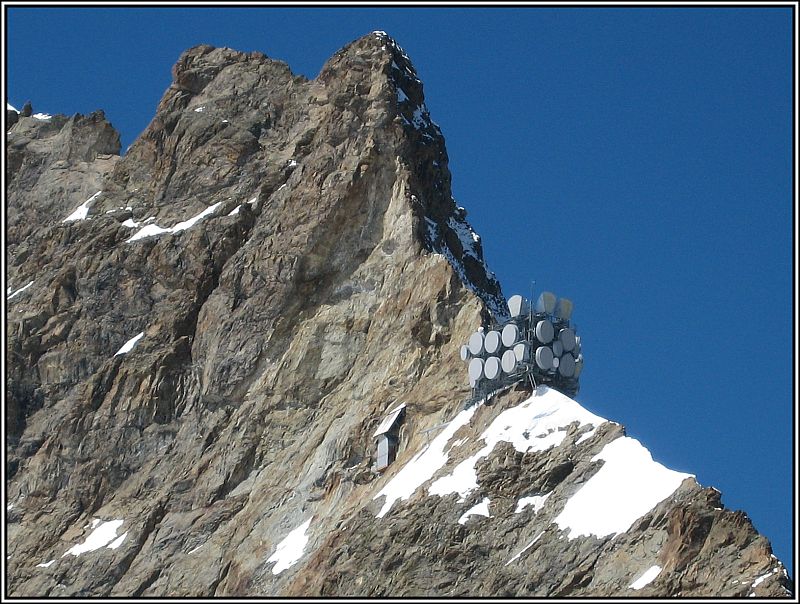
column 205, row 348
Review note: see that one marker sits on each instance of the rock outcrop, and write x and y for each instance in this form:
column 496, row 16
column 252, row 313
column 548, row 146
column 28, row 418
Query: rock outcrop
column 204, row 334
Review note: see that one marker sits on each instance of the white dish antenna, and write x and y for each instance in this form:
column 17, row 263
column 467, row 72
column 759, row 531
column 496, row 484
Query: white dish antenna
column 522, row 352
column 564, row 309
column 544, row 358
column 518, row 306
column 508, row 361
column 546, row 303
column 492, row 368
column 492, row 342
column 510, row 335
column 544, row 331
column 464, row 352
column 476, row 343
column 567, row 339
column 475, row 369
column 567, row 365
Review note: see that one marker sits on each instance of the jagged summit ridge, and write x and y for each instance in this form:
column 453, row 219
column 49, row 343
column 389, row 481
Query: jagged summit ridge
column 205, row 334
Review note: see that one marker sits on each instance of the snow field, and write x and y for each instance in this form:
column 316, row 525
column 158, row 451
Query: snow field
column 290, row 550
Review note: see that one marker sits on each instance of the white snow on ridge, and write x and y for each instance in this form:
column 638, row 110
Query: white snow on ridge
column 536, row 424
column 525, row 549
column 647, row 577
column 628, row 486
column 10, row 107
column 128, row 346
column 83, row 210
column 290, row 550
column 103, row 534
column 497, row 308
column 42, row 116
column 153, row 229
column 19, row 291
column 536, row 502
column 423, row 465
column 479, row 509
column 763, row 578
column 45, row 564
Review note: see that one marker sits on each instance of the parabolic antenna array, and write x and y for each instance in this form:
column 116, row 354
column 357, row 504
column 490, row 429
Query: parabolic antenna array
column 538, row 344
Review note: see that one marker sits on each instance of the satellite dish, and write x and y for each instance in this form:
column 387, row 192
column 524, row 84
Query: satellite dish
column 522, row 352
column 556, row 362
column 578, row 365
column 567, row 339
column 465, row 352
column 564, row 309
column 558, row 349
column 475, row 369
column 546, row 303
column 492, row 342
column 510, row 335
column 492, row 368
column 544, row 332
column 544, row 358
column 518, row 306
column 567, row 365
column 476, row 343
column 508, row 362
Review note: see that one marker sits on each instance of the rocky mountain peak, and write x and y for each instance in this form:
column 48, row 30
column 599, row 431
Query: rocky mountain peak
column 208, row 336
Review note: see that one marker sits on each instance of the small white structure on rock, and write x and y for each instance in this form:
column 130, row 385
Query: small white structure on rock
column 387, row 436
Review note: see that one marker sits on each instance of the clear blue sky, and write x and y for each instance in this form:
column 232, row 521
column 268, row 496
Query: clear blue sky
column 635, row 160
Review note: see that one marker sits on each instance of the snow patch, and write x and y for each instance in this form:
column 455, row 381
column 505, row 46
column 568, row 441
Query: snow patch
column 102, row 535
column 199, row 109
column 153, row 229
column 647, row 577
column 290, row 550
column 128, row 346
column 130, row 223
column 480, row 509
column 44, row 564
column 235, row 210
column 423, row 465
column 536, row 502
column 83, row 210
column 536, row 424
column 118, row 541
column 628, row 486
column 586, row 436
column 763, row 578
column 525, row 549
column 190, row 552
column 19, row 291
column 42, row 116
column 10, row 107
